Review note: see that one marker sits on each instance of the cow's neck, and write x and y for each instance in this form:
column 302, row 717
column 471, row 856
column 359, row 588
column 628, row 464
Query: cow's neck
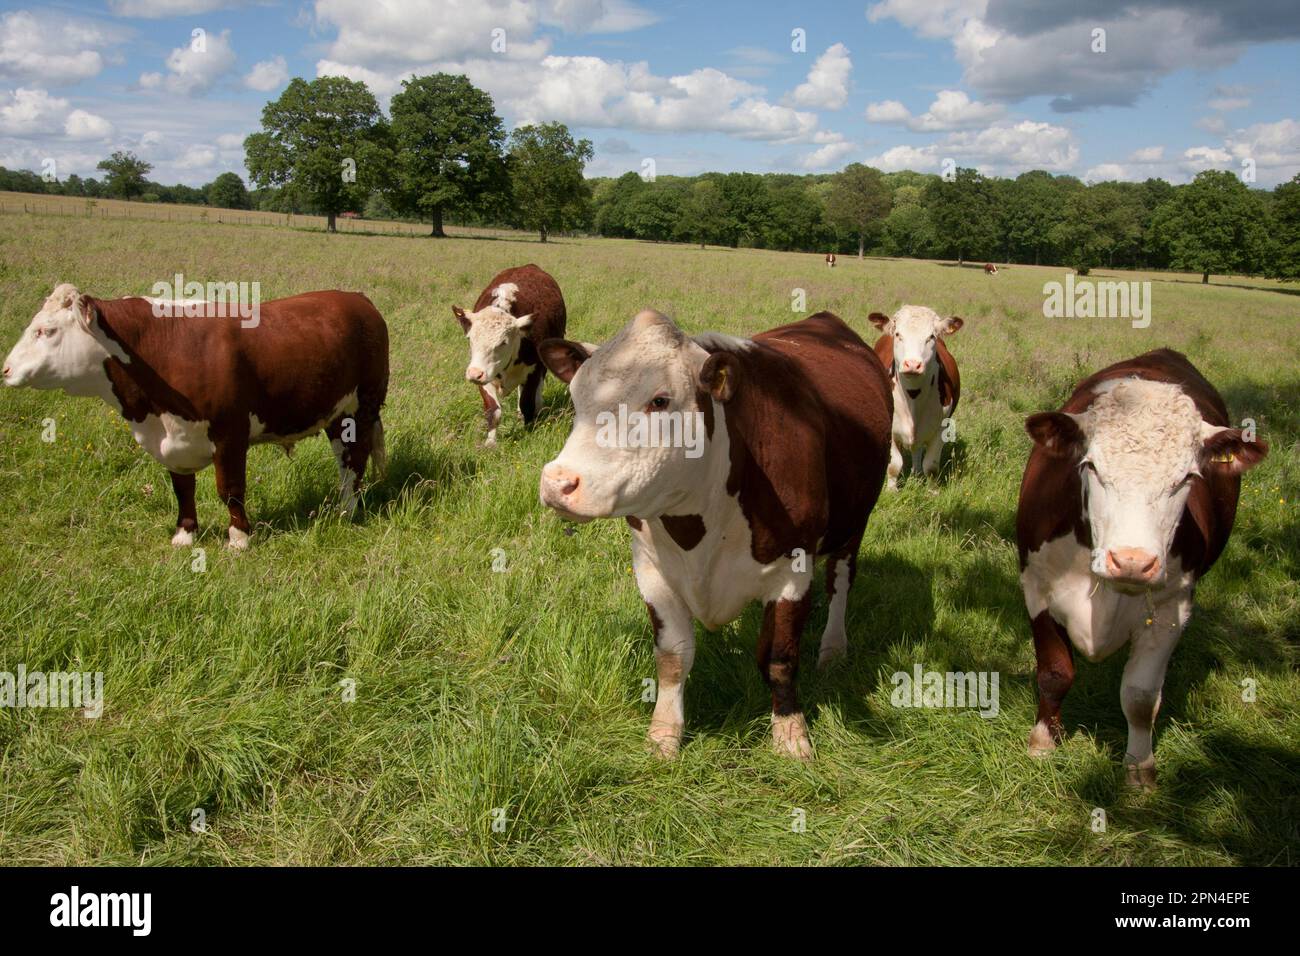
column 125, row 333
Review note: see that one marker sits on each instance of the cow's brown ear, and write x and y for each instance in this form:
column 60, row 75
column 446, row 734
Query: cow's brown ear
column 563, row 357
column 1056, row 433
column 463, row 319
column 83, row 307
column 879, row 320
column 1229, row 453
column 954, row 325
column 721, row 375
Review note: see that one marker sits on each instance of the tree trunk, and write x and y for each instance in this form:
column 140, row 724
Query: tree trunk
column 437, row 232
column 862, row 241
column 960, row 258
column 542, row 233
column 1205, row 278
column 329, row 223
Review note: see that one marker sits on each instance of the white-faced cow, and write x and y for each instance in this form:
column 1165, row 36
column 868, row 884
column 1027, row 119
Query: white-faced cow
column 925, row 381
column 198, row 390
column 1128, row 498
column 830, row 260
column 784, row 463
column 990, row 269
column 518, row 309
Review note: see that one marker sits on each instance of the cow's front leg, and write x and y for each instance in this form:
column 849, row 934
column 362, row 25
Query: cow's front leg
column 895, row 465
column 187, row 520
column 351, row 446
column 231, row 460
column 918, row 458
column 1140, row 691
column 1055, row 658
column 491, row 393
column 674, row 634
column 530, row 394
column 933, row 456
column 778, row 662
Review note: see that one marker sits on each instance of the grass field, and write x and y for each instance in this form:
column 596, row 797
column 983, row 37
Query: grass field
column 516, row 696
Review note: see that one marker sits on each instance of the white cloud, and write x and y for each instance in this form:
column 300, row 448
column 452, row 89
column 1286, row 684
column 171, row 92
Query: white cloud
column 596, row 16
column 1002, row 149
column 52, row 50
column 827, row 86
column 1225, row 104
column 830, row 155
column 32, row 113
column 1148, row 154
column 1013, row 49
column 951, row 110
column 268, row 75
column 154, row 9
column 194, row 69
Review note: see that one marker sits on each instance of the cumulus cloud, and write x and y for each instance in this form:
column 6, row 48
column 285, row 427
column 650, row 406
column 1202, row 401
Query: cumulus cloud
column 951, row 110
column 1014, row 49
column 827, row 86
column 51, row 50
column 193, row 69
column 1272, row 149
column 1001, row 149
column 29, row 113
column 154, row 9
column 268, row 75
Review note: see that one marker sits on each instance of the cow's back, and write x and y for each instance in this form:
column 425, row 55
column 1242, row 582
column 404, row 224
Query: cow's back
column 828, row 387
column 539, row 295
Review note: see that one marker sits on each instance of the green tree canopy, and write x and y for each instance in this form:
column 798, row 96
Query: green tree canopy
column 858, row 202
column 448, row 141
column 326, row 140
column 227, row 192
column 124, row 174
column 963, row 214
column 546, row 165
column 1213, row 224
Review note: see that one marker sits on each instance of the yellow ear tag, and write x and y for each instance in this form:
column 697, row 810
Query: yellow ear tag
column 1225, row 458
column 721, row 384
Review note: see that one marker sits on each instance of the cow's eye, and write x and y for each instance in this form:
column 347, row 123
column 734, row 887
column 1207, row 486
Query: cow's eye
column 659, row 402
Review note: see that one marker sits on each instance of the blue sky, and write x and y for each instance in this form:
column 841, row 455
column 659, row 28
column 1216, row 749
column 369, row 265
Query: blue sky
column 1002, row 85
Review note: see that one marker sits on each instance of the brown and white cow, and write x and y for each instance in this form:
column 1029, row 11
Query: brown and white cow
column 1128, row 498
column 200, row 390
column 519, row 308
column 830, row 260
column 990, row 269
column 925, row 380
column 791, row 441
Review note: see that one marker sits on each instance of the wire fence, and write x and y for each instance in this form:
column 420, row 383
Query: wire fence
column 77, row 207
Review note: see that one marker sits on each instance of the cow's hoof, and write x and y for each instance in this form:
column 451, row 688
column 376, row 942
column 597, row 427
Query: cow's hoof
column 891, row 486
column 830, row 654
column 1041, row 741
column 182, row 538
column 664, row 740
column 1140, row 776
column 238, row 540
column 790, row 737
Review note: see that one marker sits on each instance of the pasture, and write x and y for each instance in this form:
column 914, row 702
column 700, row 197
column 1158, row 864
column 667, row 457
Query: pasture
column 514, row 697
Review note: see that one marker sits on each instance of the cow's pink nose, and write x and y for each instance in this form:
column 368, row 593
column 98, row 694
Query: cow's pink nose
column 560, row 481
column 1132, row 564
column 474, row 373
column 912, row 367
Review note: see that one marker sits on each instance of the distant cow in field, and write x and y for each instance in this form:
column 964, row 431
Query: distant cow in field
column 199, row 390
column 519, row 308
column 990, row 269
column 830, row 260
column 925, row 381
column 1128, row 498
column 753, row 457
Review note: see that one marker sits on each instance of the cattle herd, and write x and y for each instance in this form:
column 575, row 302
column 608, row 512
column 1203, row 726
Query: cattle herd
column 1128, row 496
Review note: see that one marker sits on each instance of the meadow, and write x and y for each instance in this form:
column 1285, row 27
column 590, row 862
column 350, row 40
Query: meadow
column 498, row 715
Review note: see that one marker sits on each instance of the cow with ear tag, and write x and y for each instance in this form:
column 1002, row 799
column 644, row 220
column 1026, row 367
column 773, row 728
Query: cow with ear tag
column 925, row 380
column 519, row 308
column 736, row 462
column 1128, row 499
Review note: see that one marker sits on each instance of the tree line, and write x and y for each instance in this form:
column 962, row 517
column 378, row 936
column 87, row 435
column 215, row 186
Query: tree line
column 442, row 152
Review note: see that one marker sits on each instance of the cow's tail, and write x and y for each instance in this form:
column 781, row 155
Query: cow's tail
column 378, row 451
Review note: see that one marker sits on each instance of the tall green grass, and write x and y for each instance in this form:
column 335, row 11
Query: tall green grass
column 515, row 698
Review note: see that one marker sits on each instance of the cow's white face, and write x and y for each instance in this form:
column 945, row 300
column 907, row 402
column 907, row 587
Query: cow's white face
column 494, row 336
column 649, row 367
column 915, row 330
column 1138, row 448
column 58, row 350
